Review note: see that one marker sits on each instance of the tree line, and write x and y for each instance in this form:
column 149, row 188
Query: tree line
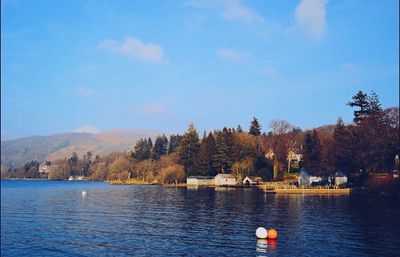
column 369, row 144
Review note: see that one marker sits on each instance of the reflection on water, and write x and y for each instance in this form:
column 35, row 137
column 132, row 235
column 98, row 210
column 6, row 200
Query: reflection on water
column 47, row 218
column 266, row 246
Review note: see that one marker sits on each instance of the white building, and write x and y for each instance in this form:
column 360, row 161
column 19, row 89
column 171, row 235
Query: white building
column 340, row 179
column 307, row 177
column 294, row 156
column 251, row 181
column 44, row 167
column 200, row 181
column 225, row 180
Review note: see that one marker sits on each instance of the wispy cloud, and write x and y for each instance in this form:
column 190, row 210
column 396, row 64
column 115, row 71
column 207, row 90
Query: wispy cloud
column 84, row 91
column 230, row 9
column 153, row 109
column 231, row 55
column 310, row 17
column 87, row 129
column 135, row 48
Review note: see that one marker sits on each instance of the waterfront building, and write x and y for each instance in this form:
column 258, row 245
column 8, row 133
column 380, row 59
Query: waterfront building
column 251, row 181
column 309, row 176
column 44, row 167
column 200, row 181
column 340, row 179
column 225, row 180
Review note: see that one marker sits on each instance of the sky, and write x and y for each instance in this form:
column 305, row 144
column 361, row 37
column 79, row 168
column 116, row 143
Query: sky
column 93, row 65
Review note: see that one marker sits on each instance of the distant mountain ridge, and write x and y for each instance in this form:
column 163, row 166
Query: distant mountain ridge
column 15, row 153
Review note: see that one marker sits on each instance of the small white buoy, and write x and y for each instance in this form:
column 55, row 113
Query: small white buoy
column 261, row 233
column 83, row 193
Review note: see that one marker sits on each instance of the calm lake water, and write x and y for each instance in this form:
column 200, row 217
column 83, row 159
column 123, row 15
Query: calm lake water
column 49, row 218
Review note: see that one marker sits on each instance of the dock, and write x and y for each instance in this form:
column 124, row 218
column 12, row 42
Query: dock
column 316, row 191
column 282, row 188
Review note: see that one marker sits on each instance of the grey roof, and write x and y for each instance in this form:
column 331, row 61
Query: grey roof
column 201, row 177
column 225, row 175
column 310, row 172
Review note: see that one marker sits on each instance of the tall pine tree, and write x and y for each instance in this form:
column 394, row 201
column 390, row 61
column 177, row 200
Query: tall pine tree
column 189, row 150
column 312, row 150
column 255, row 127
column 343, row 151
column 160, row 147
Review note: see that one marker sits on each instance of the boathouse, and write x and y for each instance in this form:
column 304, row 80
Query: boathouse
column 252, row 181
column 308, row 177
column 225, row 180
column 200, row 181
column 340, row 179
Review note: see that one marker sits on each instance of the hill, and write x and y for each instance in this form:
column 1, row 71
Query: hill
column 17, row 152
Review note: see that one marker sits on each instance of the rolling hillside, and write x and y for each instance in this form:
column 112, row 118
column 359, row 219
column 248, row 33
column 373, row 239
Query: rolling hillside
column 17, row 152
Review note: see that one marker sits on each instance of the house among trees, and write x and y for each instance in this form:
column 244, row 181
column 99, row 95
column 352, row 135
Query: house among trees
column 309, row 176
column 44, row 167
column 294, row 158
column 251, row 181
column 225, row 180
column 200, row 181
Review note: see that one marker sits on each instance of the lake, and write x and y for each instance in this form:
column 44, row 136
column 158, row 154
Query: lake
column 52, row 218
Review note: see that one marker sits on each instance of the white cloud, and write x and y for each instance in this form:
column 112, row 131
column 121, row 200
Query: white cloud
column 84, row 91
column 135, row 48
column 87, row 129
column 231, row 55
column 310, row 16
column 154, row 109
column 231, row 9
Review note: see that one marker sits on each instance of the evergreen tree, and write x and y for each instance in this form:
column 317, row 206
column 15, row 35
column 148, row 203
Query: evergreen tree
column 312, row 150
column 205, row 159
column 73, row 164
column 174, row 141
column 142, row 149
column 255, row 127
column 368, row 105
column 160, row 147
column 189, row 150
column 374, row 104
column 222, row 160
column 211, row 152
column 343, row 153
column 239, row 129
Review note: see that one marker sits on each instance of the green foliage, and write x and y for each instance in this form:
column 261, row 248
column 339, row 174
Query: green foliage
column 368, row 105
column 160, row 147
column 312, row 150
column 255, row 127
column 343, row 148
column 189, row 150
column 206, row 156
column 263, row 168
column 222, row 160
column 174, row 142
column 142, row 149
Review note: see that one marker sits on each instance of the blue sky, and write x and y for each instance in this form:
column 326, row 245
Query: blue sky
column 163, row 64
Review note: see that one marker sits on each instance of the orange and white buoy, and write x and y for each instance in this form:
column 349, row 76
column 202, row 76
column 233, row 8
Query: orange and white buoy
column 261, row 233
column 272, row 234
